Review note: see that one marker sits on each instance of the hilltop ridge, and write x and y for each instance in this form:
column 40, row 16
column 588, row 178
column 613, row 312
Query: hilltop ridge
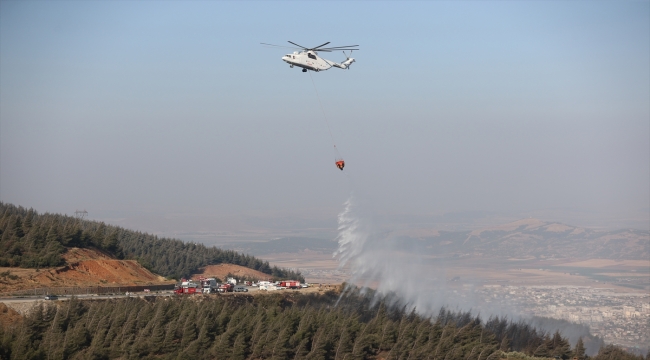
column 32, row 240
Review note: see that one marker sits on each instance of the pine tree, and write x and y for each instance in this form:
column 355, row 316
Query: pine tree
column 28, row 221
column 110, row 242
column 97, row 349
column 561, row 347
column 157, row 338
column 365, row 344
column 542, row 351
column 505, row 344
column 189, row 332
column 170, row 341
column 615, row 352
column 281, row 347
column 579, row 351
column 53, row 234
column 79, row 339
column 17, row 228
column 239, row 348
column 72, row 235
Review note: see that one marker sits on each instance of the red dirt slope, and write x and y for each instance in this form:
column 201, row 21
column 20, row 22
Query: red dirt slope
column 85, row 267
column 8, row 316
column 221, row 271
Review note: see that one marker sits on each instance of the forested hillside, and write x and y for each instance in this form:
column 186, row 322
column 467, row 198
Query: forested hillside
column 279, row 326
column 32, row 240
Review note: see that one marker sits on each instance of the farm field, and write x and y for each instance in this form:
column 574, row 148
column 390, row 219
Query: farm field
column 601, row 273
column 315, row 267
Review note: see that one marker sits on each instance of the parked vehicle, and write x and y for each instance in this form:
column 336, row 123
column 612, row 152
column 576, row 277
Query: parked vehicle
column 240, row 288
column 290, row 284
column 209, row 285
column 187, row 287
column 226, row 288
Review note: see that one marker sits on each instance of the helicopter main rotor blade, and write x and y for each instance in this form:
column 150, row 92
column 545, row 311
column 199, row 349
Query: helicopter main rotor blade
column 314, row 48
column 298, row 45
column 286, row 47
column 340, row 47
column 328, row 49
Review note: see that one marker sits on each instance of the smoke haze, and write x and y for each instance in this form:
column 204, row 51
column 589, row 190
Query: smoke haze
column 400, row 274
column 378, row 260
column 524, row 108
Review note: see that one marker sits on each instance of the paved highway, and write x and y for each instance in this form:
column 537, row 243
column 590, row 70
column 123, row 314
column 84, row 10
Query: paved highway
column 33, row 298
column 23, row 299
column 16, row 300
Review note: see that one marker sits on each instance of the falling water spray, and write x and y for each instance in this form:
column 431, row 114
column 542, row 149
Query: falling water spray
column 388, row 264
column 404, row 274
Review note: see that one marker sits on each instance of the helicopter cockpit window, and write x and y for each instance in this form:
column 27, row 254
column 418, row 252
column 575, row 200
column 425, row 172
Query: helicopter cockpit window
column 312, row 56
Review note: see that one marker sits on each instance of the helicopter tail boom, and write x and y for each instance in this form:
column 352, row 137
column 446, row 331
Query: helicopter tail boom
column 344, row 65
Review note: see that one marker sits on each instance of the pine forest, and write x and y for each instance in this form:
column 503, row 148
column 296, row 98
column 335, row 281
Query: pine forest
column 32, row 240
column 279, row 326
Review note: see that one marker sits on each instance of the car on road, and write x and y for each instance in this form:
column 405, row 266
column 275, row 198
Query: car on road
column 51, row 297
column 240, row 288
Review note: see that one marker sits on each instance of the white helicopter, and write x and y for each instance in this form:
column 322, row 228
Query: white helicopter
column 308, row 58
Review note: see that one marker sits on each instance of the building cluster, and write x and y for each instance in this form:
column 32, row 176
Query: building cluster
column 619, row 318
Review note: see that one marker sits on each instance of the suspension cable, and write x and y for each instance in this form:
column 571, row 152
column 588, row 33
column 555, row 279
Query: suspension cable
column 324, row 115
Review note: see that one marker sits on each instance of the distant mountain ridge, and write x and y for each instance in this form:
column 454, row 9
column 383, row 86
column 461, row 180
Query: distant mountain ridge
column 285, row 245
column 523, row 238
column 534, row 237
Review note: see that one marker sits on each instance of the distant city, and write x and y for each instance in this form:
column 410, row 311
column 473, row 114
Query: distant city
column 619, row 318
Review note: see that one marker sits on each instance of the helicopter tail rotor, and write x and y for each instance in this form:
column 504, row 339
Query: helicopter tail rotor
column 348, row 60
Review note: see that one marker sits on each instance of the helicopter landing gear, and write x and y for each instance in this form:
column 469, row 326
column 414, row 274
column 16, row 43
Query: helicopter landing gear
column 304, row 70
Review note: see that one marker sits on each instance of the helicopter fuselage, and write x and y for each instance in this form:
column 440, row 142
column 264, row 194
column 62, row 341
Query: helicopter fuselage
column 307, row 60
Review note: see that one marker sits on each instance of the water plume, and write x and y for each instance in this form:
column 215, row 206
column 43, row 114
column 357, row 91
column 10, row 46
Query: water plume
column 386, row 263
column 403, row 275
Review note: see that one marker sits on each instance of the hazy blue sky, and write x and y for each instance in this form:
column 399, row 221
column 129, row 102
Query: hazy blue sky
column 174, row 107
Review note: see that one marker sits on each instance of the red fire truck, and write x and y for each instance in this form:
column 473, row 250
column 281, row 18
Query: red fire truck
column 226, row 287
column 187, row 287
column 290, row 284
